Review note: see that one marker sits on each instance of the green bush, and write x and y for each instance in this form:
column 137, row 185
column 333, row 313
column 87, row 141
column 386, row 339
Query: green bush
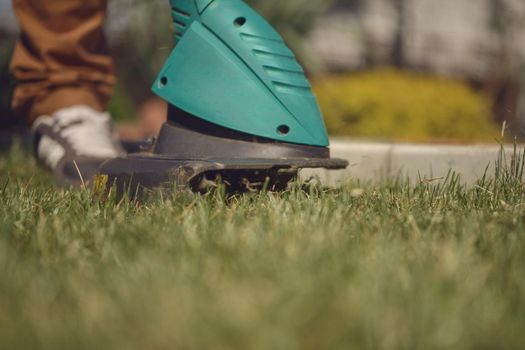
column 408, row 106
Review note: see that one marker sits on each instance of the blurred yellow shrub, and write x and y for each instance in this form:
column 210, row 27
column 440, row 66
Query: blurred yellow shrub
column 401, row 105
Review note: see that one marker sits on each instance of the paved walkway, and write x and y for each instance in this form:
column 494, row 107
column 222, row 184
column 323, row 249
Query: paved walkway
column 374, row 161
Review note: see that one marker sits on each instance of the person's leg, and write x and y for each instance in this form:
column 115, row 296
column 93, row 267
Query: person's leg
column 61, row 58
column 65, row 80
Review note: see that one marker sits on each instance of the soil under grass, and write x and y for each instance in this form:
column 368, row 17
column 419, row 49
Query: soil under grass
column 391, row 266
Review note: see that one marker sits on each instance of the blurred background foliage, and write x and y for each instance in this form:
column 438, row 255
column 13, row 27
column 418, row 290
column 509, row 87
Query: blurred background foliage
column 441, row 88
column 7, row 42
column 403, row 105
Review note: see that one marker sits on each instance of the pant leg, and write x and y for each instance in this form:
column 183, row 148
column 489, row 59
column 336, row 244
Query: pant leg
column 61, row 58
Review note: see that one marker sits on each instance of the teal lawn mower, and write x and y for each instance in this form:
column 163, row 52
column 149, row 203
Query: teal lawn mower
column 240, row 108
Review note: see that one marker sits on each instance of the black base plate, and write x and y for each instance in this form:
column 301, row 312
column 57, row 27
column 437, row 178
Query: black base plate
column 192, row 153
column 135, row 173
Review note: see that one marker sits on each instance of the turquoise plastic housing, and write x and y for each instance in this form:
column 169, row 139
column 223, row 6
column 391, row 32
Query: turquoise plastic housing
column 231, row 68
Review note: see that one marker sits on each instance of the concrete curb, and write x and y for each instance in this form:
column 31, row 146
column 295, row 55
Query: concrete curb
column 376, row 161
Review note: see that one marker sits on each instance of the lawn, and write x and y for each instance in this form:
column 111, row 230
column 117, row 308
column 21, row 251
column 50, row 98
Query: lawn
column 375, row 266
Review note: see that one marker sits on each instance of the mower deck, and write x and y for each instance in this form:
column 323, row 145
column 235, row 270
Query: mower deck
column 145, row 171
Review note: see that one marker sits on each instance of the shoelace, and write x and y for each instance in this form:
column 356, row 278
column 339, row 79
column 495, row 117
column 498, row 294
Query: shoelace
column 87, row 134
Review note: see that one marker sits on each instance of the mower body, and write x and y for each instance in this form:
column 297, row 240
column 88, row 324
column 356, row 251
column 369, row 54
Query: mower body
column 240, row 107
column 232, row 69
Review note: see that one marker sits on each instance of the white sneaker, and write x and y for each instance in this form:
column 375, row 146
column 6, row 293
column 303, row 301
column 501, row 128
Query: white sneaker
column 74, row 141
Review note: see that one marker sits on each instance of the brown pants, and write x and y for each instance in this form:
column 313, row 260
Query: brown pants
column 61, row 58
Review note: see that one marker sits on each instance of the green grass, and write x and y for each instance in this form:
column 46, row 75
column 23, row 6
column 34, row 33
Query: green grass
column 432, row 266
